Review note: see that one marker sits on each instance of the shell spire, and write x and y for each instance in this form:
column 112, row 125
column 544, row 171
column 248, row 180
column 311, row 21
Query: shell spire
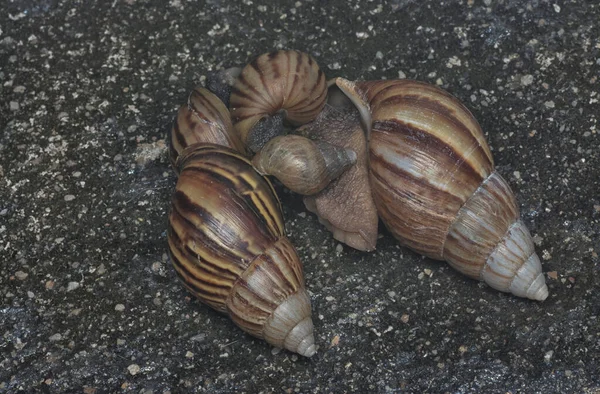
column 203, row 119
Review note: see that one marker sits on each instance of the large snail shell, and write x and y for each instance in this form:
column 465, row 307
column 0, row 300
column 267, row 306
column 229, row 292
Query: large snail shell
column 228, row 246
column 435, row 187
column 302, row 165
column 289, row 81
column 203, row 119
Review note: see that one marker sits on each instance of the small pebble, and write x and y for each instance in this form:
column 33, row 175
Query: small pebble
column 548, row 355
column 14, row 106
column 404, row 319
column 198, row 338
column 69, row 197
column 55, row 337
column 275, row 351
column 119, row 307
column 527, row 80
column 72, row 286
column 20, row 275
column 133, row 369
column 75, row 312
column 335, row 341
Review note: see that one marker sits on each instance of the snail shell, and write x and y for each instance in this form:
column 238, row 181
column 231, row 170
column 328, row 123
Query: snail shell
column 203, row 119
column 228, row 245
column 303, row 166
column 283, row 83
column 436, row 189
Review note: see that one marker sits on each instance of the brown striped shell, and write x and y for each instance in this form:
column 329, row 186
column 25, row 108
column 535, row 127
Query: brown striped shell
column 288, row 81
column 203, row 119
column 302, row 165
column 435, row 187
column 228, row 245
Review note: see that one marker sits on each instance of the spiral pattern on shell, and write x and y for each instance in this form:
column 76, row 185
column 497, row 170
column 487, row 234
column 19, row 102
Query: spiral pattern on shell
column 289, row 81
column 228, row 245
column 436, row 189
column 203, row 119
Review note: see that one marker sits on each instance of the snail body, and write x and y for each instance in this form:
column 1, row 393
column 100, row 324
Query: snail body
column 228, row 246
column 434, row 184
column 345, row 207
column 203, row 119
column 274, row 86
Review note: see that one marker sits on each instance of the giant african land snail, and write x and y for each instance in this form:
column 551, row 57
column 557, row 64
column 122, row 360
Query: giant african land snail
column 434, row 184
column 228, row 245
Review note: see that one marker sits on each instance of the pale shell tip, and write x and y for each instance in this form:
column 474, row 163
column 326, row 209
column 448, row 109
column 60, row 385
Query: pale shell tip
column 538, row 290
column 310, row 351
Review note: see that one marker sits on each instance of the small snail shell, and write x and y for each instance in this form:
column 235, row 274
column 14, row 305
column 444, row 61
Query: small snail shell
column 203, row 119
column 228, row 246
column 303, row 166
column 436, row 189
column 288, row 81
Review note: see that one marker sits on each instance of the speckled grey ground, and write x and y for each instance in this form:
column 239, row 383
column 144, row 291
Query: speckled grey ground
column 89, row 300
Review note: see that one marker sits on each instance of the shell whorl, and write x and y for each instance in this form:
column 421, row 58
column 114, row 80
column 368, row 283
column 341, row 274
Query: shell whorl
column 228, row 245
column 302, row 165
column 203, row 119
column 289, row 81
column 435, row 187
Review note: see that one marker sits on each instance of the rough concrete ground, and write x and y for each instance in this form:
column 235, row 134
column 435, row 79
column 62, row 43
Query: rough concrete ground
column 91, row 304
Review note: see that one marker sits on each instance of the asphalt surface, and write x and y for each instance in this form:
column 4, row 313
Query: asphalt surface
column 89, row 300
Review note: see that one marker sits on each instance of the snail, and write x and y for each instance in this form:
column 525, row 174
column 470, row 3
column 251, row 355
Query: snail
column 203, row 119
column 434, row 184
column 276, row 86
column 228, row 246
column 302, row 165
